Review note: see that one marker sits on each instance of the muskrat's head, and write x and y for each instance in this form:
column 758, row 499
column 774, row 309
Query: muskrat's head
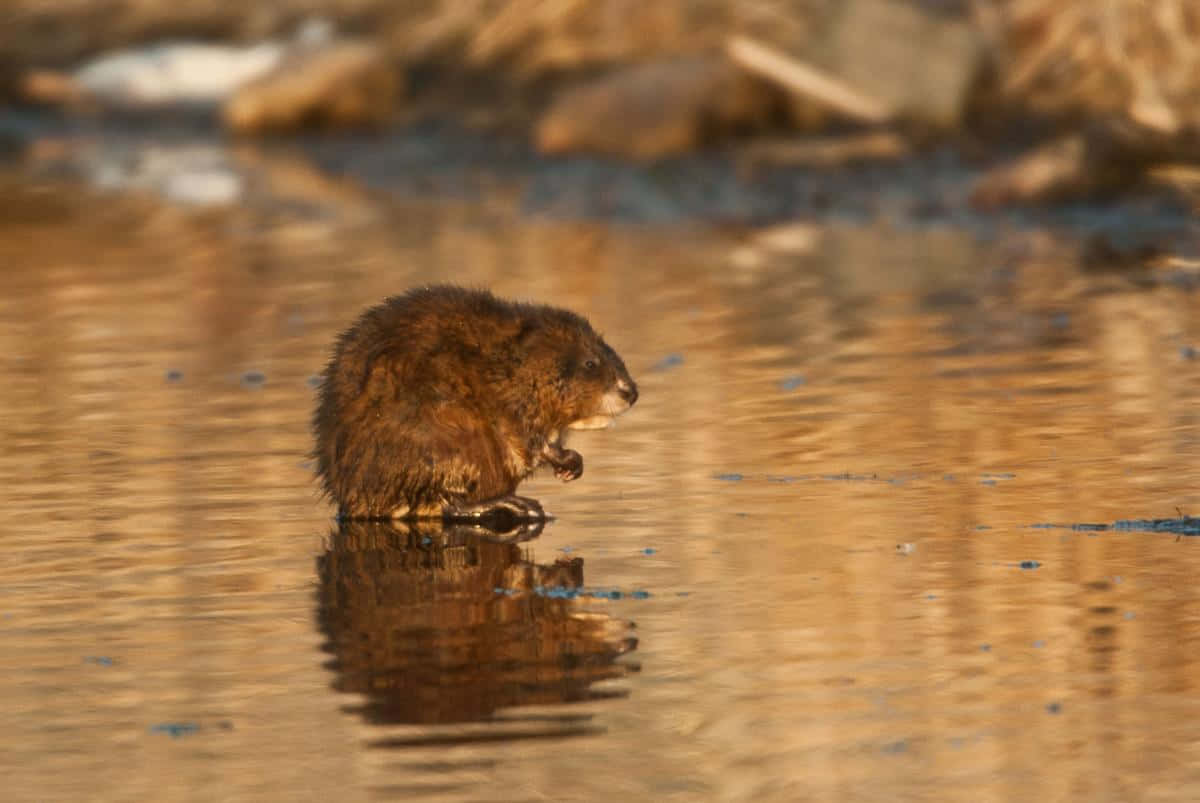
column 587, row 379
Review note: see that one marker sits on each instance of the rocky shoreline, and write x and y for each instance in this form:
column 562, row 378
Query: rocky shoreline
column 875, row 110
column 876, row 80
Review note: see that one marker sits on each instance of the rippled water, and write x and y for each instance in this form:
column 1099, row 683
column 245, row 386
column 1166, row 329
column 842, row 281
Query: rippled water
column 811, row 564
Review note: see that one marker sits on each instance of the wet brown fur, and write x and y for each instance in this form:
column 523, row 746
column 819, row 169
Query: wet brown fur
column 446, row 397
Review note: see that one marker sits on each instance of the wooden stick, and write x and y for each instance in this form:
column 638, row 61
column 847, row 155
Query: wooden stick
column 829, row 151
column 806, row 80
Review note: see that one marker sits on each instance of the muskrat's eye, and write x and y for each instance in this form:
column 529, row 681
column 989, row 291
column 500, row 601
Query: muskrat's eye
column 590, row 365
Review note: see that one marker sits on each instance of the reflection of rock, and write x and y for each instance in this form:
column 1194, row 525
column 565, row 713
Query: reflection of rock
column 415, row 623
column 202, row 174
column 341, row 85
column 656, row 109
column 276, row 176
column 197, row 174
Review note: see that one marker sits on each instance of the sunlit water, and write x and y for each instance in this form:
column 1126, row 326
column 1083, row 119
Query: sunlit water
column 804, row 567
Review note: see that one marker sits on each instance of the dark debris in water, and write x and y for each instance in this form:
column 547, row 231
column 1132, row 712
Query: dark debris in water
column 668, row 362
column 175, row 729
column 898, row 479
column 1184, row 525
column 1029, row 564
column 254, row 379
column 564, row 592
column 178, row 729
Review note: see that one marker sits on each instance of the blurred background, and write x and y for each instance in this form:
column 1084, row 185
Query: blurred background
column 1039, row 101
column 904, row 512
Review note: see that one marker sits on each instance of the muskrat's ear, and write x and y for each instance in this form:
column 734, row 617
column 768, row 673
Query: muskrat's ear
column 378, row 377
column 526, row 333
column 568, row 365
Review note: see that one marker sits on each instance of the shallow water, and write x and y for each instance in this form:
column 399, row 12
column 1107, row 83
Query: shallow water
column 811, row 564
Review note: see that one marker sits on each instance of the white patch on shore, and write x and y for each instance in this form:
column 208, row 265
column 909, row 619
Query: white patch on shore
column 183, row 72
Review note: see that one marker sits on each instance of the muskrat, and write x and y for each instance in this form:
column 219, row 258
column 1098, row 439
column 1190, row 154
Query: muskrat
column 438, row 402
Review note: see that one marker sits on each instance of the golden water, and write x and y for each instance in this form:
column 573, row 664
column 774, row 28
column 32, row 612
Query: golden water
column 815, row 518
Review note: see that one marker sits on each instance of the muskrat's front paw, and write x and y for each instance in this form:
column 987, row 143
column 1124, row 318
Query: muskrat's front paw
column 569, row 466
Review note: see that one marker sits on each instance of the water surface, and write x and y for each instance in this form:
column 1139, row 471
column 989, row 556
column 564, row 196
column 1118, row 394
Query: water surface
column 804, row 567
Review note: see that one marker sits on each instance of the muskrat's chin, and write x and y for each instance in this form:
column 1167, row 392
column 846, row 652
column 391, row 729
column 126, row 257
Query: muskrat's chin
column 594, row 422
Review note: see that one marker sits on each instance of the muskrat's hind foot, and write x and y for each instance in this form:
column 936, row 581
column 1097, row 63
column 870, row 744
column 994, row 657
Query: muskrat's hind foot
column 498, row 513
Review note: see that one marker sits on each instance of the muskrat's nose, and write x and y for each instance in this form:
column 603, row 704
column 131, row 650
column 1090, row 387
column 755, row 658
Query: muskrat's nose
column 628, row 390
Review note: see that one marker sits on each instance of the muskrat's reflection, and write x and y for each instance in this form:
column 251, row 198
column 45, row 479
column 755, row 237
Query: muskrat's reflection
column 439, row 623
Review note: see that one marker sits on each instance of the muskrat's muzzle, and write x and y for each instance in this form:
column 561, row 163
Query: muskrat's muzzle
column 616, row 401
column 627, row 390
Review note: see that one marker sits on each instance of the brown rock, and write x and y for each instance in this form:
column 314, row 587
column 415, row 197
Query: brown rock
column 914, row 59
column 49, row 87
column 876, row 60
column 341, row 85
column 657, row 109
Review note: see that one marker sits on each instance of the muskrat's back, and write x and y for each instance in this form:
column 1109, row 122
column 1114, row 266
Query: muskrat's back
column 440, row 401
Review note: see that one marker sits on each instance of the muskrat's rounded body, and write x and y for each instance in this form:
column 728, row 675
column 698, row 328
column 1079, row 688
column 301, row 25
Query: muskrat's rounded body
column 440, row 401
